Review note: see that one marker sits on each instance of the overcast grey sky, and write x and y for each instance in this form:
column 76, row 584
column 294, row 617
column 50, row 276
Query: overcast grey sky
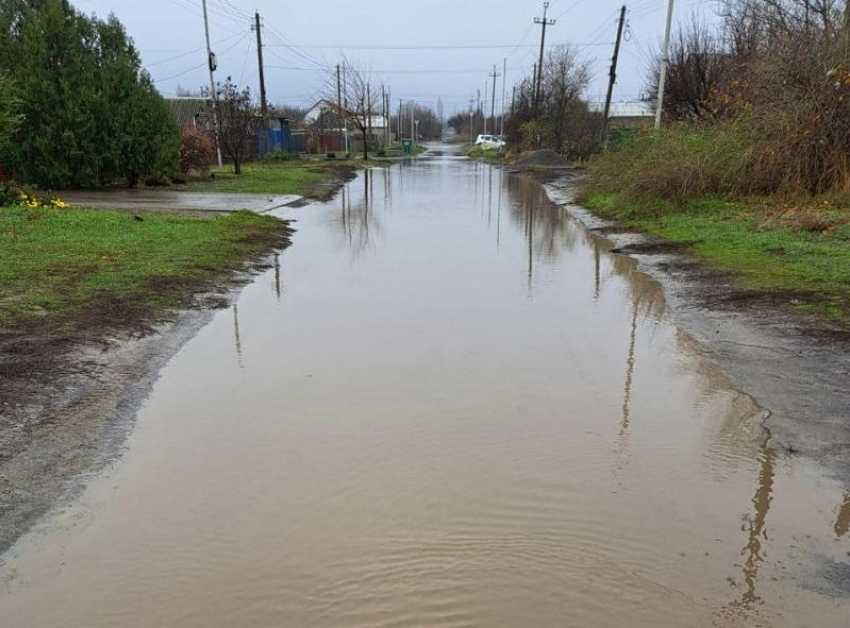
column 452, row 44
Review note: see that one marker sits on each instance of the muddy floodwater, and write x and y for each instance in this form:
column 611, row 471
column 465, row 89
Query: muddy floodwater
column 445, row 405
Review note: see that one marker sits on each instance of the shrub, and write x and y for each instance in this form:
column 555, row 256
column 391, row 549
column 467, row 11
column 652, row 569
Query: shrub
column 197, row 150
column 676, row 163
column 277, row 156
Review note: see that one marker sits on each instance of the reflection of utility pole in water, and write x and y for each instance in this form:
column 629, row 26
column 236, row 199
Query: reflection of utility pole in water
column 529, row 221
column 277, row 276
column 489, row 197
column 596, row 263
column 842, row 521
column 757, row 532
column 625, row 417
column 630, row 369
column 236, row 337
column 499, row 209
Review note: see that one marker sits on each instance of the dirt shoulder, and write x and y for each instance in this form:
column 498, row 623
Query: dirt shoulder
column 795, row 364
column 94, row 303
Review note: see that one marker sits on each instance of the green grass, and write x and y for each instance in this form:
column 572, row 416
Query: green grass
column 288, row 177
column 802, row 248
column 476, row 152
column 70, row 267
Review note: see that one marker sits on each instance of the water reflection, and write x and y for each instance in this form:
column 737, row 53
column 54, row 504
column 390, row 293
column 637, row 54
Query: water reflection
column 277, row 276
column 236, row 338
column 356, row 220
column 842, row 521
column 756, row 527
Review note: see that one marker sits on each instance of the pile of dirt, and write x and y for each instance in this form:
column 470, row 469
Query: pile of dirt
column 540, row 159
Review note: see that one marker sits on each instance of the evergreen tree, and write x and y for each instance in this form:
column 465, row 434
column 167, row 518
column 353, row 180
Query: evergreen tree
column 92, row 114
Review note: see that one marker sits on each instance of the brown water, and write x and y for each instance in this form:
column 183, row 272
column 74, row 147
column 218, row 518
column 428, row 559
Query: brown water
column 446, row 405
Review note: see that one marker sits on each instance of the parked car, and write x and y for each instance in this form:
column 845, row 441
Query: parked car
column 490, row 142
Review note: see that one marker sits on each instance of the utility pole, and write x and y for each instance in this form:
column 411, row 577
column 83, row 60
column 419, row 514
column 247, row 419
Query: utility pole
column 412, row 123
column 495, row 75
column 368, row 118
column 504, row 78
column 263, row 104
column 471, row 100
column 211, row 64
column 612, row 77
column 398, row 120
column 347, row 140
column 484, row 108
column 478, row 102
column 338, row 95
column 384, row 115
column 544, row 23
column 665, row 59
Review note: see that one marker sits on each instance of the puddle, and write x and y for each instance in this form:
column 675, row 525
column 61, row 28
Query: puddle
column 445, row 405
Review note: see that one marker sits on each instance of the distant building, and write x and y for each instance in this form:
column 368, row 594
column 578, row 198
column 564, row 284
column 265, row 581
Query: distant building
column 329, row 129
column 191, row 111
column 629, row 114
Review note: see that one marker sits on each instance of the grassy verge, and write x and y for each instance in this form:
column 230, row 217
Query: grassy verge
column 71, row 268
column 476, row 152
column 304, row 178
column 799, row 248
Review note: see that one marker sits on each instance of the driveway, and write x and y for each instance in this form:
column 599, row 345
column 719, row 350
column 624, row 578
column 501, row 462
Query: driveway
column 166, row 200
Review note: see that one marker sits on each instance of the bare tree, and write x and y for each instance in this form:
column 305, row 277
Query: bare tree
column 359, row 100
column 562, row 121
column 238, row 120
column 698, row 64
column 565, row 78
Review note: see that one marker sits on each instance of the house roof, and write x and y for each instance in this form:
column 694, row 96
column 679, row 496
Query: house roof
column 323, row 105
column 625, row 109
column 186, row 109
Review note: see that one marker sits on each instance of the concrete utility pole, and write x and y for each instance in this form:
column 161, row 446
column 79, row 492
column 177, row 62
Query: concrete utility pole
column 339, row 105
column 471, row 101
column 504, row 78
column 478, row 101
column 495, row 75
column 211, row 63
column 484, row 108
column 368, row 117
column 612, row 76
column 544, row 23
column 412, row 123
column 665, row 60
column 263, row 104
column 345, row 109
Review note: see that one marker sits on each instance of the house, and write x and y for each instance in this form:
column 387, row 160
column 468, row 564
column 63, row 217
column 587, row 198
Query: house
column 328, row 128
column 629, row 114
column 191, row 111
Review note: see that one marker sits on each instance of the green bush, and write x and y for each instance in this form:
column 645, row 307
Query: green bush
column 678, row 163
column 92, row 113
column 277, row 156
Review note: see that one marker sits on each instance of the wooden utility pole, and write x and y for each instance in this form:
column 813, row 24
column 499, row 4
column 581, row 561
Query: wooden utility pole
column 544, row 23
column 665, row 60
column 612, row 77
column 211, row 64
column 263, row 104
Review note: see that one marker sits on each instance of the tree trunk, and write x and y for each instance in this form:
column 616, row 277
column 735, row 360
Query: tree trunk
column 365, row 145
column 237, row 165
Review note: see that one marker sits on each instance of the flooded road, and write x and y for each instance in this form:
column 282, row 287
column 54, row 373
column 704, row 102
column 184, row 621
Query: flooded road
column 445, row 405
